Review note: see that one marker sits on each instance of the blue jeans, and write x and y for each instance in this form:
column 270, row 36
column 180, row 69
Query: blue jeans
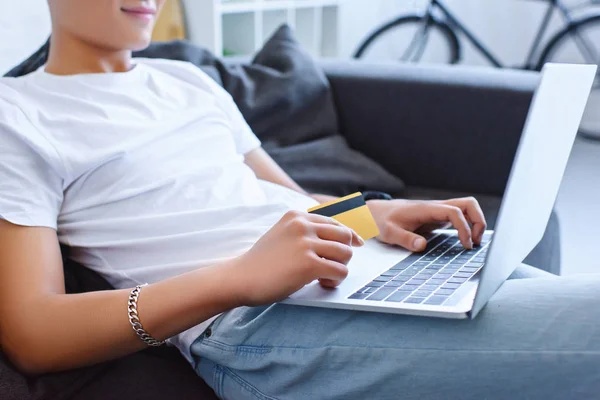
column 538, row 338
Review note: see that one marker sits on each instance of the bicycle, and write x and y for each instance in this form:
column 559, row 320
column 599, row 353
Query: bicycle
column 437, row 29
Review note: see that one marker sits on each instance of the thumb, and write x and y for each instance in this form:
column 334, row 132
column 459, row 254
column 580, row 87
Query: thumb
column 408, row 240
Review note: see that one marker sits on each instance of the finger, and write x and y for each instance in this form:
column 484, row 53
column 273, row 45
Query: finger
column 444, row 212
column 339, row 233
column 319, row 219
column 471, row 208
column 475, row 236
column 330, row 271
column 402, row 237
column 330, row 284
column 333, row 251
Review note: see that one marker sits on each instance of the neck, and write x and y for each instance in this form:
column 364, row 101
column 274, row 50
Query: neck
column 71, row 56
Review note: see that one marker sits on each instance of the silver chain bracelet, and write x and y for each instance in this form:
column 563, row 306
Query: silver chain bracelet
column 134, row 319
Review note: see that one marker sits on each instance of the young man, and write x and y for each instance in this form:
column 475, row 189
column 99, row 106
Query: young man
column 147, row 170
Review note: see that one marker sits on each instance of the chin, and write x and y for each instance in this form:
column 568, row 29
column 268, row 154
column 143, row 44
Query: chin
column 137, row 42
column 141, row 45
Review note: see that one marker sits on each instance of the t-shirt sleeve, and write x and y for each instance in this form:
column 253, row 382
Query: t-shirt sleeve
column 245, row 139
column 30, row 184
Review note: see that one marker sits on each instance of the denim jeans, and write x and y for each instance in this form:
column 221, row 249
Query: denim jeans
column 538, row 338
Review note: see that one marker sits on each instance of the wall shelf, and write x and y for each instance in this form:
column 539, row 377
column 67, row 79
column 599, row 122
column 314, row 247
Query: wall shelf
column 240, row 27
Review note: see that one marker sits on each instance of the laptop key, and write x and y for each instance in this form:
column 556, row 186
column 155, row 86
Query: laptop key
column 381, row 294
column 474, row 264
column 436, row 241
column 444, row 292
column 414, row 269
column 463, row 275
column 436, row 300
column 393, row 284
column 369, row 289
column 423, row 276
column 439, row 263
column 414, row 300
column 450, row 269
column 375, row 284
column 457, row 280
column 471, row 270
column 358, row 296
column 435, row 281
column 398, row 296
column 407, row 261
column 430, row 287
column 401, row 278
column 423, row 293
column 382, row 279
column 389, row 273
column 452, row 286
column 410, row 287
column 417, row 282
column 420, row 264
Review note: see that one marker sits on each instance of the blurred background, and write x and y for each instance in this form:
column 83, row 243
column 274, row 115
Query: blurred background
column 336, row 29
column 331, row 28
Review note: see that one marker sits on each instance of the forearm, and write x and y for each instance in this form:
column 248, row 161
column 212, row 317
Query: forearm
column 61, row 331
column 267, row 169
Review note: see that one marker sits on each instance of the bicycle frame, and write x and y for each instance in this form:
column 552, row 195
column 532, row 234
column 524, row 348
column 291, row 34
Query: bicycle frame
column 530, row 63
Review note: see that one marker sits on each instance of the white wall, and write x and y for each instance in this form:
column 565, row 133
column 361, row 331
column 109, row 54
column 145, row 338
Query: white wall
column 506, row 26
column 24, row 27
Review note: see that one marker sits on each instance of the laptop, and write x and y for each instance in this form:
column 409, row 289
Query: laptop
column 446, row 280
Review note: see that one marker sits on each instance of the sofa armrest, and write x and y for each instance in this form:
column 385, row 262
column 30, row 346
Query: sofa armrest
column 454, row 128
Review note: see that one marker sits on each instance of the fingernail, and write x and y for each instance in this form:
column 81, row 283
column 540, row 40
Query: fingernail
column 361, row 241
column 470, row 243
column 420, row 243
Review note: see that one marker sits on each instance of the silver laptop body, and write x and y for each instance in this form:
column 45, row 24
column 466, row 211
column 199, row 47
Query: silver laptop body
column 447, row 280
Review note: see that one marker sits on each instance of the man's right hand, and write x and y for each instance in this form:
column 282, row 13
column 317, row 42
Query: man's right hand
column 300, row 248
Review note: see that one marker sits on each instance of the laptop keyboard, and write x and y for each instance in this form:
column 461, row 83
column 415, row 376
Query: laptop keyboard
column 430, row 277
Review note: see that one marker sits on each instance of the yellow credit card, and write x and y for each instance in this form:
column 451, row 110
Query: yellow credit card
column 351, row 211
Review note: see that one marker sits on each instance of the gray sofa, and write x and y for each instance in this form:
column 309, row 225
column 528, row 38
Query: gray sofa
column 445, row 131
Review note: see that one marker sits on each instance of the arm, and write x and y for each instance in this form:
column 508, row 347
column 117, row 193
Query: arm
column 397, row 220
column 43, row 329
column 267, row 169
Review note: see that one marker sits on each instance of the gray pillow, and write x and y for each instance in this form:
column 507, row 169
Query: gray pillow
column 286, row 98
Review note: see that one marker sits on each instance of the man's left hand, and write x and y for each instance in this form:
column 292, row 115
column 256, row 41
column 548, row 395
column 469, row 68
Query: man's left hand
column 398, row 220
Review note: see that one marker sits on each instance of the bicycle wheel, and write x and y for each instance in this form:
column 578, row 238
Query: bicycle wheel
column 412, row 38
column 579, row 43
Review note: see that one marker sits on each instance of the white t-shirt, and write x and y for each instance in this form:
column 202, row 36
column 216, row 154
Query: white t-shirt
column 141, row 173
